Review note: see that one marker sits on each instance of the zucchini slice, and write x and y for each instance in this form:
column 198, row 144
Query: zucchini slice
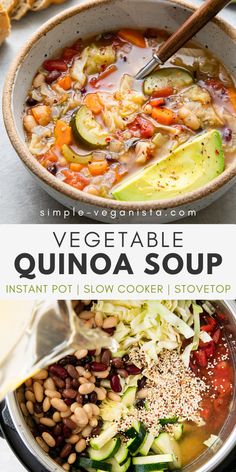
column 146, row 445
column 87, row 463
column 166, row 444
column 104, row 437
column 157, row 459
column 87, row 130
column 120, row 468
column 122, row 454
column 134, row 444
column 167, row 77
column 72, row 156
column 106, row 452
column 150, row 467
column 129, row 396
column 177, row 430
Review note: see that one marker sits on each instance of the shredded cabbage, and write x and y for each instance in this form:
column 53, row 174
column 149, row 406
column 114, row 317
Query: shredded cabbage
column 155, row 325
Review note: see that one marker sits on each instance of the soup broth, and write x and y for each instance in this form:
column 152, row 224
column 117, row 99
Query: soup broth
column 90, row 123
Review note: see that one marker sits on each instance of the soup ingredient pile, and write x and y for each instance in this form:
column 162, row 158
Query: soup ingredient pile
column 167, row 387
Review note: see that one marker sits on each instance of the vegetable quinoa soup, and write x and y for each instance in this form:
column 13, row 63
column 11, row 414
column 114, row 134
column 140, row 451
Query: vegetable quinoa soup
column 92, row 125
column 157, row 403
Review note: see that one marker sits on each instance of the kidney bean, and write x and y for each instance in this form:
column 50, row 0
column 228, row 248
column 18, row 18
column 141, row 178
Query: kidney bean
column 117, row 362
column 60, row 383
column 69, row 393
column 125, row 358
column 98, row 366
column 72, row 371
column 70, row 359
column 57, row 430
column 68, row 383
column 109, row 330
column 31, row 102
column 55, row 65
column 52, row 169
column 106, row 357
column 115, row 384
column 123, row 373
column 69, row 423
column 38, row 408
column 79, row 398
column 93, row 397
column 141, row 383
column 96, row 431
column 58, row 370
column 68, row 401
column 75, row 383
column 59, row 440
column 132, row 369
column 66, row 431
column 92, row 352
column 140, row 404
column 86, row 360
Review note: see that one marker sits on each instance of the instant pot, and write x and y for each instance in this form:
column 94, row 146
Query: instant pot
column 19, row 437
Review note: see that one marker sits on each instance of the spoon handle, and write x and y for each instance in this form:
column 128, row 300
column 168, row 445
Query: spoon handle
column 190, row 27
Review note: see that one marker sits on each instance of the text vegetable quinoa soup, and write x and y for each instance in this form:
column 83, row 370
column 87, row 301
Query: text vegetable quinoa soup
column 92, row 125
column 155, row 404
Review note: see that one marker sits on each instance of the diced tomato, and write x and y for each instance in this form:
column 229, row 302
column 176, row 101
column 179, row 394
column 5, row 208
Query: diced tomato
column 206, row 409
column 222, row 385
column 56, row 64
column 94, row 81
column 210, row 326
column 218, row 404
column 223, row 367
column 68, row 53
column 209, row 349
column 216, row 336
column 201, row 358
column 141, row 127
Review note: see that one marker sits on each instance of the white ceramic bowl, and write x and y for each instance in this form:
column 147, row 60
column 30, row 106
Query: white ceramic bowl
column 85, row 20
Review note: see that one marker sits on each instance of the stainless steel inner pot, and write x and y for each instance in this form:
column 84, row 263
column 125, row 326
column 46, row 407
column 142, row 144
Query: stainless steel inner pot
column 207, row 462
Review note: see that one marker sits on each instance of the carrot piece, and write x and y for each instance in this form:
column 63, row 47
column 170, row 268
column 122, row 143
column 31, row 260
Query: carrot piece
column 63, row 133
column 157, row 102
column 76, row 167
column 42, row 114
column 133, row 36
column 108, row 71
column 65, row 82
column 93, row 102
column 232, row 96
column 98, row 167
column 165, row 92
column 163, row 116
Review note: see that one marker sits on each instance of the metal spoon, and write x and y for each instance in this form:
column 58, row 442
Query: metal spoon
column 187, row 30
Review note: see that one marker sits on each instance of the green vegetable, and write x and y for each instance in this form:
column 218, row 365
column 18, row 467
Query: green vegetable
column 129, row 396
column 122, row 454
column 189, row 167
column 87, row 130
column 177, row 431
column 120, row 468
column 166, row 444
column 150, row 463
column 134, row 444
column 146, row 445
column 167, row 77
column 106, row 452
column 89, row 463
column 72, row 156
column 164, row 421
column 103, row 438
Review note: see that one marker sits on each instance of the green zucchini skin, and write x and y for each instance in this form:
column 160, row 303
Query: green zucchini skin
column 86, row 130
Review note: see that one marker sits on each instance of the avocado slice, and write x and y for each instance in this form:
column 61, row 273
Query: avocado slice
column 187, row 168
column 87, row 130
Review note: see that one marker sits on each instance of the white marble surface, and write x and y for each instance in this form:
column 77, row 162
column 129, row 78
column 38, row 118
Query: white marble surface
column 20, row 198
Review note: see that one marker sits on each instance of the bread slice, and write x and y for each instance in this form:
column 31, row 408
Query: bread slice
column 9, row 5
column 5, row 25
column 21, row 8
column 42, row 4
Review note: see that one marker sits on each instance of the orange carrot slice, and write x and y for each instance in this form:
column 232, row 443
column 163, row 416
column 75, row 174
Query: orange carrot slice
column 133, row 36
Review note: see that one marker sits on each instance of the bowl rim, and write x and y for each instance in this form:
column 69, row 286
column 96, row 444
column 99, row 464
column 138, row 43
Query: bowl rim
column 59, row 186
